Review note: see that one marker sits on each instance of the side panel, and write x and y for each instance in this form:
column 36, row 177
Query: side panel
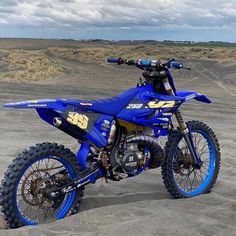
column 82, row 125
column 151, row 109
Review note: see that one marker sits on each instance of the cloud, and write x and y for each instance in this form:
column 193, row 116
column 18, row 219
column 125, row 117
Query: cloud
column 120, row 14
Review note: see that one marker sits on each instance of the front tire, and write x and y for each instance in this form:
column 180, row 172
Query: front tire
column 179, row 175
column 24, row 198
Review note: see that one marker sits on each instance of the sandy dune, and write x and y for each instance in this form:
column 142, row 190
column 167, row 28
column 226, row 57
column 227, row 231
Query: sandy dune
column 140, row 205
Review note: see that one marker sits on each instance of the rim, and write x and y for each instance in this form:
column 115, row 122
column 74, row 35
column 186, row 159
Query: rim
column 31, row 201
column 191, row 181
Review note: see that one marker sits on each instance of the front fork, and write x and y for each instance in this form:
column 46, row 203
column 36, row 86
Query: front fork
column 188, row 139
column 184, row 129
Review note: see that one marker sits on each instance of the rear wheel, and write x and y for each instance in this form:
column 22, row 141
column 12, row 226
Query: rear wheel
column 181, row 177
column 26, row 183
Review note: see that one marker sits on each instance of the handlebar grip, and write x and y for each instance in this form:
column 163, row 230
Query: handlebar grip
column 176, row 65
column 114, row 60
column 144, row 62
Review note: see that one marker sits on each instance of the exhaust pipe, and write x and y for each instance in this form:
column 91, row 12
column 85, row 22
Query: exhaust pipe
column 157, row 153
column 57, row 121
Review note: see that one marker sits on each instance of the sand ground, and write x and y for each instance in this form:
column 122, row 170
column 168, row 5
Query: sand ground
column 140, row 205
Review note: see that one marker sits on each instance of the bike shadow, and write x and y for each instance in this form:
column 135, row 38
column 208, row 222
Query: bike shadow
column 103, row 196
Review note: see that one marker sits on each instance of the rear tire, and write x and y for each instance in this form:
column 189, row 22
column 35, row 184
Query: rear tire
column 13, row 178
column 174, row 167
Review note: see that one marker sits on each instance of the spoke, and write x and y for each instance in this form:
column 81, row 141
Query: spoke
column 199, row 140
column 45, row 215
column 37, row 212
column 191, row 183
column 205, row 151
column 183, row 179
column 199, row 175
column 178, row 177
column 196, row 179
column 204, row 168
column 195, row 137
column 201, row 150
column 186, row 182
column 203, row 172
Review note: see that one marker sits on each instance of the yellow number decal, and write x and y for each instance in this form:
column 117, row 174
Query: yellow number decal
column 77, row 119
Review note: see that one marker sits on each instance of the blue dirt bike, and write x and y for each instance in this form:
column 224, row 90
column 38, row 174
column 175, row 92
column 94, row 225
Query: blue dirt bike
column 118, row 139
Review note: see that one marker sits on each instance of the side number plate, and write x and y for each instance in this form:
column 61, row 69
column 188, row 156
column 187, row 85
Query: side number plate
column 78, row 119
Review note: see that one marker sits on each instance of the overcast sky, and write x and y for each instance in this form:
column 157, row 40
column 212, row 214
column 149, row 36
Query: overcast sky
column 199, row 20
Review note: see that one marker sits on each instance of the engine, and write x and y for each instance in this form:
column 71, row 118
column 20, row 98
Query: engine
column 130, row 155
column 126, row 161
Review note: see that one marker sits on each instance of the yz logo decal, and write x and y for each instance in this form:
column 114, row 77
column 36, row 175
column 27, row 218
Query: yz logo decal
column 161, row 104
column 78, row 119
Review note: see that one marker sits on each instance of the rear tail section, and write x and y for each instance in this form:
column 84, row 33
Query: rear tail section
column 55, row 104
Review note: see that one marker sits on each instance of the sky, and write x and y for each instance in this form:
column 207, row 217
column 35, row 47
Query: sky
column 195, row 20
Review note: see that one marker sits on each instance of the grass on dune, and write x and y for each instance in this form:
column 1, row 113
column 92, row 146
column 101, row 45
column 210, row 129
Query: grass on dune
column 155, row 51
column 23, row 65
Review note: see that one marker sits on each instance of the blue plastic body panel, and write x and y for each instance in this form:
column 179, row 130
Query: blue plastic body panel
column 54, row 104
column 131, row 105
column 110, row 106
column 99, row 133
column 187, row 95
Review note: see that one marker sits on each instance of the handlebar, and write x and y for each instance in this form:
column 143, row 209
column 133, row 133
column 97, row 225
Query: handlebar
column 143, row 63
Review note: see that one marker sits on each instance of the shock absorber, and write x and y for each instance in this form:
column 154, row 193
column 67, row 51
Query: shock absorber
column 112, row 133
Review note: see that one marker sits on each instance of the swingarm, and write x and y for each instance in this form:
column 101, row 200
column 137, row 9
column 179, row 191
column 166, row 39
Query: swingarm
column 90, row 175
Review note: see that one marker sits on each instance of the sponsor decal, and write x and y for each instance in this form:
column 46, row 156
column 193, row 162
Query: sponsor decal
column 37, row 105
column 106, row 122
column 86, row 104
column 163, row 119
column 105, row 125
column 167, row 114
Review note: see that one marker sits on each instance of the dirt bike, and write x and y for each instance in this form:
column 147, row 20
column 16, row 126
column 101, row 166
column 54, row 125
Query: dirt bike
column 118, row 139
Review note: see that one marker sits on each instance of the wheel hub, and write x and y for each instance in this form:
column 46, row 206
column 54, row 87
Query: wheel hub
column 37, row 194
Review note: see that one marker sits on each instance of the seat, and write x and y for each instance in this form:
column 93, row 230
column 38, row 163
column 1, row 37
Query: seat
column 110, row 106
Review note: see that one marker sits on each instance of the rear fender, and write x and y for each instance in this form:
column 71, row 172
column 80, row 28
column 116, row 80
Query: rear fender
column 187, row 95
column 54, row 104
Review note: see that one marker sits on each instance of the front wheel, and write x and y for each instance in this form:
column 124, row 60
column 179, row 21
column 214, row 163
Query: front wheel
column 26, row 183
column 180, row 175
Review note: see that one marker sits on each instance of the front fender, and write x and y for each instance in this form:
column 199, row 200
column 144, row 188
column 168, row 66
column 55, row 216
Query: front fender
column 187, row 95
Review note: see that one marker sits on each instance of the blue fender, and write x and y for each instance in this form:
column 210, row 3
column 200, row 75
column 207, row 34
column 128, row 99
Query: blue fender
column 55, row 104
column 187, row 95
